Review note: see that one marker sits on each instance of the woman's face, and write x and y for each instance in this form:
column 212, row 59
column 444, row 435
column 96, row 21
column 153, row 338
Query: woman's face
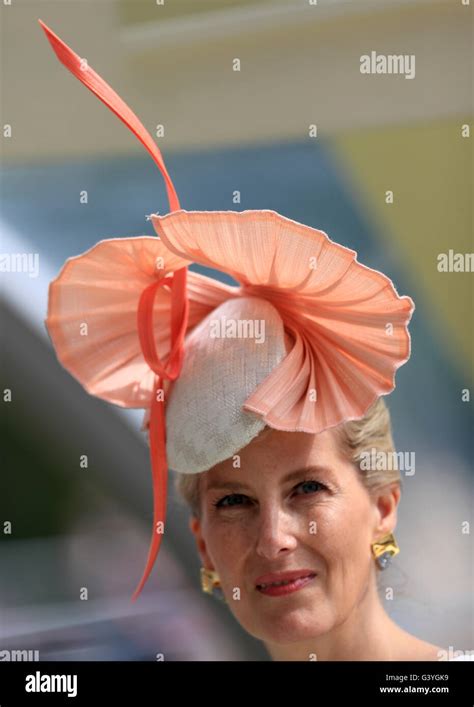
column 294, row 504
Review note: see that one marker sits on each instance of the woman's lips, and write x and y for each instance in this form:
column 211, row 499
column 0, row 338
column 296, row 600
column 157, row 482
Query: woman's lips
column 289, row 586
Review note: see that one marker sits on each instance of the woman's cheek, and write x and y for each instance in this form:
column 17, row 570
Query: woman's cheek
column 228, row 538
column 324, row 523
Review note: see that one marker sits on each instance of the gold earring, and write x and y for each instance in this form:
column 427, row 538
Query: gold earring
column 211, row 584
column 384, row 549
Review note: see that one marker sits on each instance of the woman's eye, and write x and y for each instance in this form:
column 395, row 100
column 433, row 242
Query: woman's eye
column 310, row 487
column 239, row 499
column 234, row 499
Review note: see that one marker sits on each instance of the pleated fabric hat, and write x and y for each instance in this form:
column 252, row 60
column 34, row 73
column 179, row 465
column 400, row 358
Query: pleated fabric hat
column 308, row 339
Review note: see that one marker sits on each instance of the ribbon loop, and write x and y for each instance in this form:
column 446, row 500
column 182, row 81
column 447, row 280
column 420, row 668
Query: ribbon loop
column 170, row 371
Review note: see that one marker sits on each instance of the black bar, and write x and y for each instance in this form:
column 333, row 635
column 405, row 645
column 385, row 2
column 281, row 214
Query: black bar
column 163, row 681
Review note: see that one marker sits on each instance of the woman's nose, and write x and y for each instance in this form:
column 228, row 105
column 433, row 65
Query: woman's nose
column 276, row 531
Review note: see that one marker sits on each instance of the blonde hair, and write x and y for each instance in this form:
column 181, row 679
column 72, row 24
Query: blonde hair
column 356, row 438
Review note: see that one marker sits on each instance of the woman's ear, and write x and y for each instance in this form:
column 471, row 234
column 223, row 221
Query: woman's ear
column 196, row 529
column 385, row 501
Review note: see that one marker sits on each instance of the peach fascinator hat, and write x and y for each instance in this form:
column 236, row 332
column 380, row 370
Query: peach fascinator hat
column 308, row 340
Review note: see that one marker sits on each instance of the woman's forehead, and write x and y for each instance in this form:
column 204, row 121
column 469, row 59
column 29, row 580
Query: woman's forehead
column 279, row 444
column 278, row 453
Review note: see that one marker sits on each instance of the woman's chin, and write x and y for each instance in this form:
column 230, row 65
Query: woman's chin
column 290, row 626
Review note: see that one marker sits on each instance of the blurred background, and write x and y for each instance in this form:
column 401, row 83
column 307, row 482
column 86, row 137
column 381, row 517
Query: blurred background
column 298, row 129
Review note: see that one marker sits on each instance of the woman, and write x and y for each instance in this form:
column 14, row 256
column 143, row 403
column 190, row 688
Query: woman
column 319, row 522
column 272, row 388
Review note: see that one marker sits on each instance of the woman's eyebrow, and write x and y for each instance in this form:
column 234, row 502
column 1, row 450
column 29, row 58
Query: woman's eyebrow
column 239, row 486
column 315, row 468
column 230, row 485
